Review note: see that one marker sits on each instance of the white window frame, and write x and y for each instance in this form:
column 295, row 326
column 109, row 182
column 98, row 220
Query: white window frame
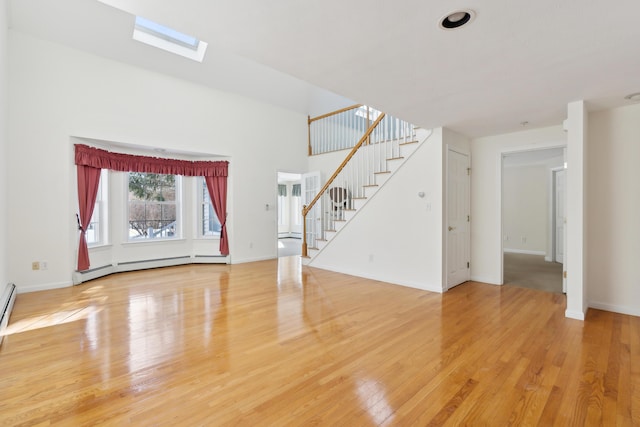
column 283, row 206
column 201, row 188
column 100, row 217
column 178, row 202
column 296, row 208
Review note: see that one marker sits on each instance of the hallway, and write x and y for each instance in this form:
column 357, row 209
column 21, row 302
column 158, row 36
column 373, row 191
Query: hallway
column 532, row 272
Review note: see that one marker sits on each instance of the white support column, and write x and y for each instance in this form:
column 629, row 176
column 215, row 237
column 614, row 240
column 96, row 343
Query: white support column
column 575, row 261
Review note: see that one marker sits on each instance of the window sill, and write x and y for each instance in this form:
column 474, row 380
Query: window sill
column 99, row 247
column 142, row 242
column 207, row 238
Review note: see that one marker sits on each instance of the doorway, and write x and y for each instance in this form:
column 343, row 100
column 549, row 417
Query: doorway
column 532, row 233
column 289, row 220
column 558, row 216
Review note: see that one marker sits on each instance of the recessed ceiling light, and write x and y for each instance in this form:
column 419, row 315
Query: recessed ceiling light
column 633, row 97
column 457, row 19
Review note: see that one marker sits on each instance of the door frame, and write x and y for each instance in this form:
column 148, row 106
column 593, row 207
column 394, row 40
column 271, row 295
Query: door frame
column 445, row 239
column 500, row 190
column 553, row 208
column 277, row 203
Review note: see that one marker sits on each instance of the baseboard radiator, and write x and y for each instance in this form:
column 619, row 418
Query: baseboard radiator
column 7, row 301
column 105, row 270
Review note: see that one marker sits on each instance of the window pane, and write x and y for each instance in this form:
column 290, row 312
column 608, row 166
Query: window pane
column 96, row 232
column 152, row 187
column 93, row 232
column 209, row 223
column 152, row 206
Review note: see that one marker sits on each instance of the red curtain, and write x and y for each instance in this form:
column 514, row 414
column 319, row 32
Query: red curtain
column 217, row 187
column 88, row 181
column 93, row 159
column 102, row 159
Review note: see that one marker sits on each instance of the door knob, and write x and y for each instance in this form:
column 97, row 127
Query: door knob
column 451, row 228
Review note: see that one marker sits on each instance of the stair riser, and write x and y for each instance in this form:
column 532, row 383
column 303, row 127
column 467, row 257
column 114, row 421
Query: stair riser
column 370, row 191
column 381, row 178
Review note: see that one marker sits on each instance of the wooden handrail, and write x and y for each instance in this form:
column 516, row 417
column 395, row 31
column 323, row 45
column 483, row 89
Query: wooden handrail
column 307, row 208
column 333, row 113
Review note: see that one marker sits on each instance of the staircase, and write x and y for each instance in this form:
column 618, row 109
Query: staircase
column 387, row 143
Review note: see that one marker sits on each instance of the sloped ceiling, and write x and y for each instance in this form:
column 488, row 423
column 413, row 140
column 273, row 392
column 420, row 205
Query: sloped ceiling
column 517, row 61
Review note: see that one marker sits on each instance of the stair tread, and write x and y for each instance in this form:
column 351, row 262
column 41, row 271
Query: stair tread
column 358, row 198
column 396, row 158
column 371, row 185
column 408, row 142
column 381, row 172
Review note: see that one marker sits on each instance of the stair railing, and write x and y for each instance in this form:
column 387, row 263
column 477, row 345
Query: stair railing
column 376, row 144
column 337, row 130
column 307, row 208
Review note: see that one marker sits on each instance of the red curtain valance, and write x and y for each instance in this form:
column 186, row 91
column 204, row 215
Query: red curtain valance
column 103, row 159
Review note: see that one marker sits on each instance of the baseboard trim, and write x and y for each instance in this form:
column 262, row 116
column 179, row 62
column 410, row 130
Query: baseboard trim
column 105, row 270
column 524, row 251
column 572, row 314
column 485, row 279
column 631, row 311
column 43, row 287
column 389, row 280
column 245, row 260
column 6, row 305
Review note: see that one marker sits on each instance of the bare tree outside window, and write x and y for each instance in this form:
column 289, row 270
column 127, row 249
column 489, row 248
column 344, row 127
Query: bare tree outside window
column 152, row 206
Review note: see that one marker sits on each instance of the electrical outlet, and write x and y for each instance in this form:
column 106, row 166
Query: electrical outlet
column 524, row 239
column 506, row 237
column 35, row 265
column 44, row 265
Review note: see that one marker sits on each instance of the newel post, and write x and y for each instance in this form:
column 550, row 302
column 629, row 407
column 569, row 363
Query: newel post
column 304, row 230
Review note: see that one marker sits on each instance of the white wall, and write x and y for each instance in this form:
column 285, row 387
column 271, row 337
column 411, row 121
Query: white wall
column 326, row 163
column 4, row 104
column 486, row 232
column 57, row 92
column 613, row 205
column 525, row 201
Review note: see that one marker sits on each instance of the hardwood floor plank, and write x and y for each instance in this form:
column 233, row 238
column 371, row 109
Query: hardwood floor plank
column 276, row 343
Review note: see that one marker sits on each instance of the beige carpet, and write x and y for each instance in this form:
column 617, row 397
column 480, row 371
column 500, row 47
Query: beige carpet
column 533, row 272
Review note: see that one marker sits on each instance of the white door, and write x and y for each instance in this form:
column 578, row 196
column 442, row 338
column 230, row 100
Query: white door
column 310, row 186
column 458, row 218
column 559, row 215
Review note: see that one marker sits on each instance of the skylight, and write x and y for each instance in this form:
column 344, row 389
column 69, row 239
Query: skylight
column 168, row 39
column 373, row 113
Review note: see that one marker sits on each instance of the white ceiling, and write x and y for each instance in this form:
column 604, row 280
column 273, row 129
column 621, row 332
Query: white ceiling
column 517, row 61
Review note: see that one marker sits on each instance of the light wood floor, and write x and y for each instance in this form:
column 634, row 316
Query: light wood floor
column 276, row 344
